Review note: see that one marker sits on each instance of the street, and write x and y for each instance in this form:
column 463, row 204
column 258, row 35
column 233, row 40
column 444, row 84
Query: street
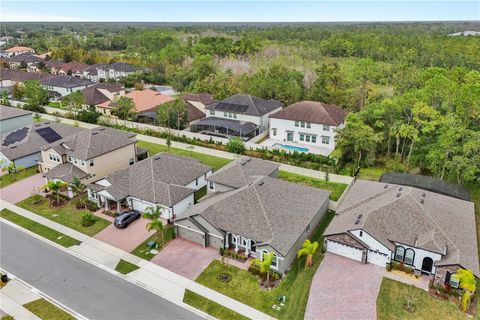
column 87, row 289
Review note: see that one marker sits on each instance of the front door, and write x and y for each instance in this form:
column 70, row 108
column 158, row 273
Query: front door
column 427, row 265
column 289, row 136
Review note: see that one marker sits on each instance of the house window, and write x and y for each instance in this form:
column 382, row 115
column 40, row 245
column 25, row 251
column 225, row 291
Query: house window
column 212, row 112
column 454, row 281
column 302, row 137
column 399, row 253
column 325, row 140
column 274, row 261
column 314, row 139
column 225, row 114
column 361, row 233
column 309, row 125
column 235, row 116
column 211, row 185
column 302, row 124
column 131, row 161
column 274, row 131
column 307, row 138
column 296, row 123
column 69, row 159
column 409, row 256
column 326, row 127
column 196, row 182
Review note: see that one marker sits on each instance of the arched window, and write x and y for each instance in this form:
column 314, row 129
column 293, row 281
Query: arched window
column 399, row 253
column 263, row 253
column 274, row 260
column 409, row 256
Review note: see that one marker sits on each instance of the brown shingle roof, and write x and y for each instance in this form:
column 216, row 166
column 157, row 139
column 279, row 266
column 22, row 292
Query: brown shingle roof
column 312, row 111
column 202, row 97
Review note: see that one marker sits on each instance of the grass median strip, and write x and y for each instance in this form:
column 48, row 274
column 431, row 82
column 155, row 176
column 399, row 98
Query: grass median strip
column 39, row 229
column 210, row 307
column 125, row 267
column 47, row 311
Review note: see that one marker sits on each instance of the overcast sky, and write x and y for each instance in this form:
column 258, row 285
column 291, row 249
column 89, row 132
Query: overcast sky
column 238, row 11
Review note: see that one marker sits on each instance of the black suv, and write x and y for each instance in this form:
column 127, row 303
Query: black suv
column 125, row 218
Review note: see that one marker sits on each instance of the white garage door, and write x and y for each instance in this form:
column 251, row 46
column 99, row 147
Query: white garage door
column 139, row 205
column 377, row 258
column 343, row 250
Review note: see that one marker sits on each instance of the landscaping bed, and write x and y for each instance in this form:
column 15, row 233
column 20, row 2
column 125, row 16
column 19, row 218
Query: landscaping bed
column 47, row 311
column 66, row 215
column 212, row 308
column 7, row 179
column 143, row 251
column 244, row 286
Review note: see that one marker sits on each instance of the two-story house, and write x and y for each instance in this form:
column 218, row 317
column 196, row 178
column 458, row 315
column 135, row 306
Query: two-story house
column 30, row 61
column 241, row 115
column 307, row 123
column 64, row 85
column 114, row 71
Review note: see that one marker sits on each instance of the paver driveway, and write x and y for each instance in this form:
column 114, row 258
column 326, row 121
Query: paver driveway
column 126, row 239
column 343, row 288
column 186, row 258
column 22, row 189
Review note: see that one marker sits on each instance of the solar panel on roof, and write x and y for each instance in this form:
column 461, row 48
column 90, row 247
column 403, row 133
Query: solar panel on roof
column 15, row 136
column 225, row 106
column 48, row 134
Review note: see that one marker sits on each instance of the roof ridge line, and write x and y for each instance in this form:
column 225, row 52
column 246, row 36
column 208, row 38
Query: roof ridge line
column 263, row 211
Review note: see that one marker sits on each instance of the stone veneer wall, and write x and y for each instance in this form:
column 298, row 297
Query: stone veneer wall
column 441, row 273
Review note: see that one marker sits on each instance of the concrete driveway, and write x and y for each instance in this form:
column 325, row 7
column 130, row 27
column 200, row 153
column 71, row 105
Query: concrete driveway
column 343, row 288
column 22, row 189
column 126, row 239
column 186, row 258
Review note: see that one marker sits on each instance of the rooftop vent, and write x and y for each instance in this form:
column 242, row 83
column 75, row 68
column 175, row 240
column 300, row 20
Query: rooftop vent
column 94, row 133
column 357, row 222
column 156, row 158
column 101, row 129
column 423, row 194
column 422, row 200
column 398, row 194
column 386, row 186
column 261, row 183
column 400, row 189
column 360, row 216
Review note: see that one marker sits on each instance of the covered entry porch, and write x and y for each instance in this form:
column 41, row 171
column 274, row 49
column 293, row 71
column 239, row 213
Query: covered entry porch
column 240, row 244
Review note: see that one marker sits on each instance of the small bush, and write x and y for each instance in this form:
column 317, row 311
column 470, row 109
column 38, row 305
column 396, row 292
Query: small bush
column 88, row 219
column 235, row 145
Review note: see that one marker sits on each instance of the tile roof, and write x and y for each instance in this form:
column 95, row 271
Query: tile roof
column 312, row 111
column 246, row 104
column 19, row 49
column 411, row 216
column 267, row 210
column 11, row 112
column 65, row 172
column 242, row 171
column 144, row 100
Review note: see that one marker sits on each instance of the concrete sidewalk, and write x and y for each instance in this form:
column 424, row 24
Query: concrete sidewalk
column 149, row 275
column 12, row 298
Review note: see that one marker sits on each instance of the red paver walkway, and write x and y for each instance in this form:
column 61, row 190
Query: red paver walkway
column 126, row 239
column 186, row 258
column 343, row 288
column 22, row 189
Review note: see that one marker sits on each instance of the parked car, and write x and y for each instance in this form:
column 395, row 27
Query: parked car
column 125, row 218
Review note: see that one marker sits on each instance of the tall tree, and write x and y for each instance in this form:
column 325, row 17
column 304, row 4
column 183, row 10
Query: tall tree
column 35, row 95
column 124, row 108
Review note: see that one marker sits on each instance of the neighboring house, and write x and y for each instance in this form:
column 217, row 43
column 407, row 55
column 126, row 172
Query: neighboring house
column 264, row 215
column 102, row 92
column 240, row 115
column 30, row 60
column 144, row 100
column 196, row 103
column 88, row 155
column 24, row 145
column 114, row 71
column 380, row 222
column 64, row 85
column 73, row 68
column 8, row 77
column 14, row 51
column 14, row 118
column 308, row 123
column 164, row 180
column 465, row 33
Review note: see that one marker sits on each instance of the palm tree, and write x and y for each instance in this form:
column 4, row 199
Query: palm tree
column 264, row 264
column 467, row 283
column 308, row 250
column 78, row 188
column 54, row 186
column 12, row 169
column 153, row 214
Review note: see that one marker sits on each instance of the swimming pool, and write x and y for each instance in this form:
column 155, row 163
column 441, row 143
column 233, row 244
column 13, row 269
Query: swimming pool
column 289, row 147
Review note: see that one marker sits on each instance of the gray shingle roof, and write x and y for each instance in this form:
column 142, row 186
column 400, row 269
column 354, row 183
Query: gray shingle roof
column 246, row 104
column 440, row 224
column 267, row 210
column 10, row 112
column 312, row 111
column 241, row 171
column 66, row 172
column 26, row 57
column 66, row 82
column 33, row 142
column 159, row 179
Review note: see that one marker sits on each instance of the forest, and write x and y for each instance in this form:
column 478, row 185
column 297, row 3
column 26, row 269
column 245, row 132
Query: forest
column 412, row 91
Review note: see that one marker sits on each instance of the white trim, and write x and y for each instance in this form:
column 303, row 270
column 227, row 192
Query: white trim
column 178, row 225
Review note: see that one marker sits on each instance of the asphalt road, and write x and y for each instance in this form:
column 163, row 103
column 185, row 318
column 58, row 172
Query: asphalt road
column 87, row 289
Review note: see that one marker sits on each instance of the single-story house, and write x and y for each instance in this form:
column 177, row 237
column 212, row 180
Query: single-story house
column 263, row 216
column 196, row 103
column 381, row 222
column 164, row 180
column 14, row 118
column 144, row 101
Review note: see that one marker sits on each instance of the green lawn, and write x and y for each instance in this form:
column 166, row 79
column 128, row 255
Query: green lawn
column 47, row 311
column 143, row 251
column 7, row 179
column 393, row 295
column 68, row 215
column 200, row 193
column 54, row 105
column 335, row 188
column 39, row 229
column 372, row 173
column 125, row 267
column 244, row 286
column 212, row 161
column 7, row 317
column 212, row 308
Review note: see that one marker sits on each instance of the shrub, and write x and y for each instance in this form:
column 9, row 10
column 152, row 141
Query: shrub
column 92, row 206
column 235, row 145
column 88, row 219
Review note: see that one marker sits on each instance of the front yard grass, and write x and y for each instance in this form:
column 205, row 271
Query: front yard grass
column 244, row 286
column 214, row 162
column 125, row 267
column 143, row 251
column 40, row 229
column 67, row 215
column 47, row 311
column 393, row 295
column 7, row 179
column 212, row 308
column 334, row 187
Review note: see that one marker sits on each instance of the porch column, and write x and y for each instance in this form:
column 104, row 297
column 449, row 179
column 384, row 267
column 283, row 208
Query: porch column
column 236, row 243
column 70, row 192
column 226, row 244
column 247, row 249
column 107, row 207
column 118, row 206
